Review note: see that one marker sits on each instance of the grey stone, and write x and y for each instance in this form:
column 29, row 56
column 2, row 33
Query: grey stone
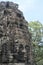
column 14, row 34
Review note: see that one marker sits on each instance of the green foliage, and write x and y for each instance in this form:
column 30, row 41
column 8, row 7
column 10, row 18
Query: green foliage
column 36, row 28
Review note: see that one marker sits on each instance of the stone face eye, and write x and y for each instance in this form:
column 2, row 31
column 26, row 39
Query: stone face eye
column 27, row 47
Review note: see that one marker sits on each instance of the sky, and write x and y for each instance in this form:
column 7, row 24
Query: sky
column 32, row 9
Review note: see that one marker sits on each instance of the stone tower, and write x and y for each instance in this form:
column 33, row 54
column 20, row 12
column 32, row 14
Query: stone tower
column 15, row 39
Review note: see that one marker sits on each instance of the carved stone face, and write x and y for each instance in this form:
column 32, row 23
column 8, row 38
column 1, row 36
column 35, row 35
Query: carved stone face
column 13, row 34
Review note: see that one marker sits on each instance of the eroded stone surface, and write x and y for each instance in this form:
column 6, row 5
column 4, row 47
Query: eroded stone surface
column 15, row 39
